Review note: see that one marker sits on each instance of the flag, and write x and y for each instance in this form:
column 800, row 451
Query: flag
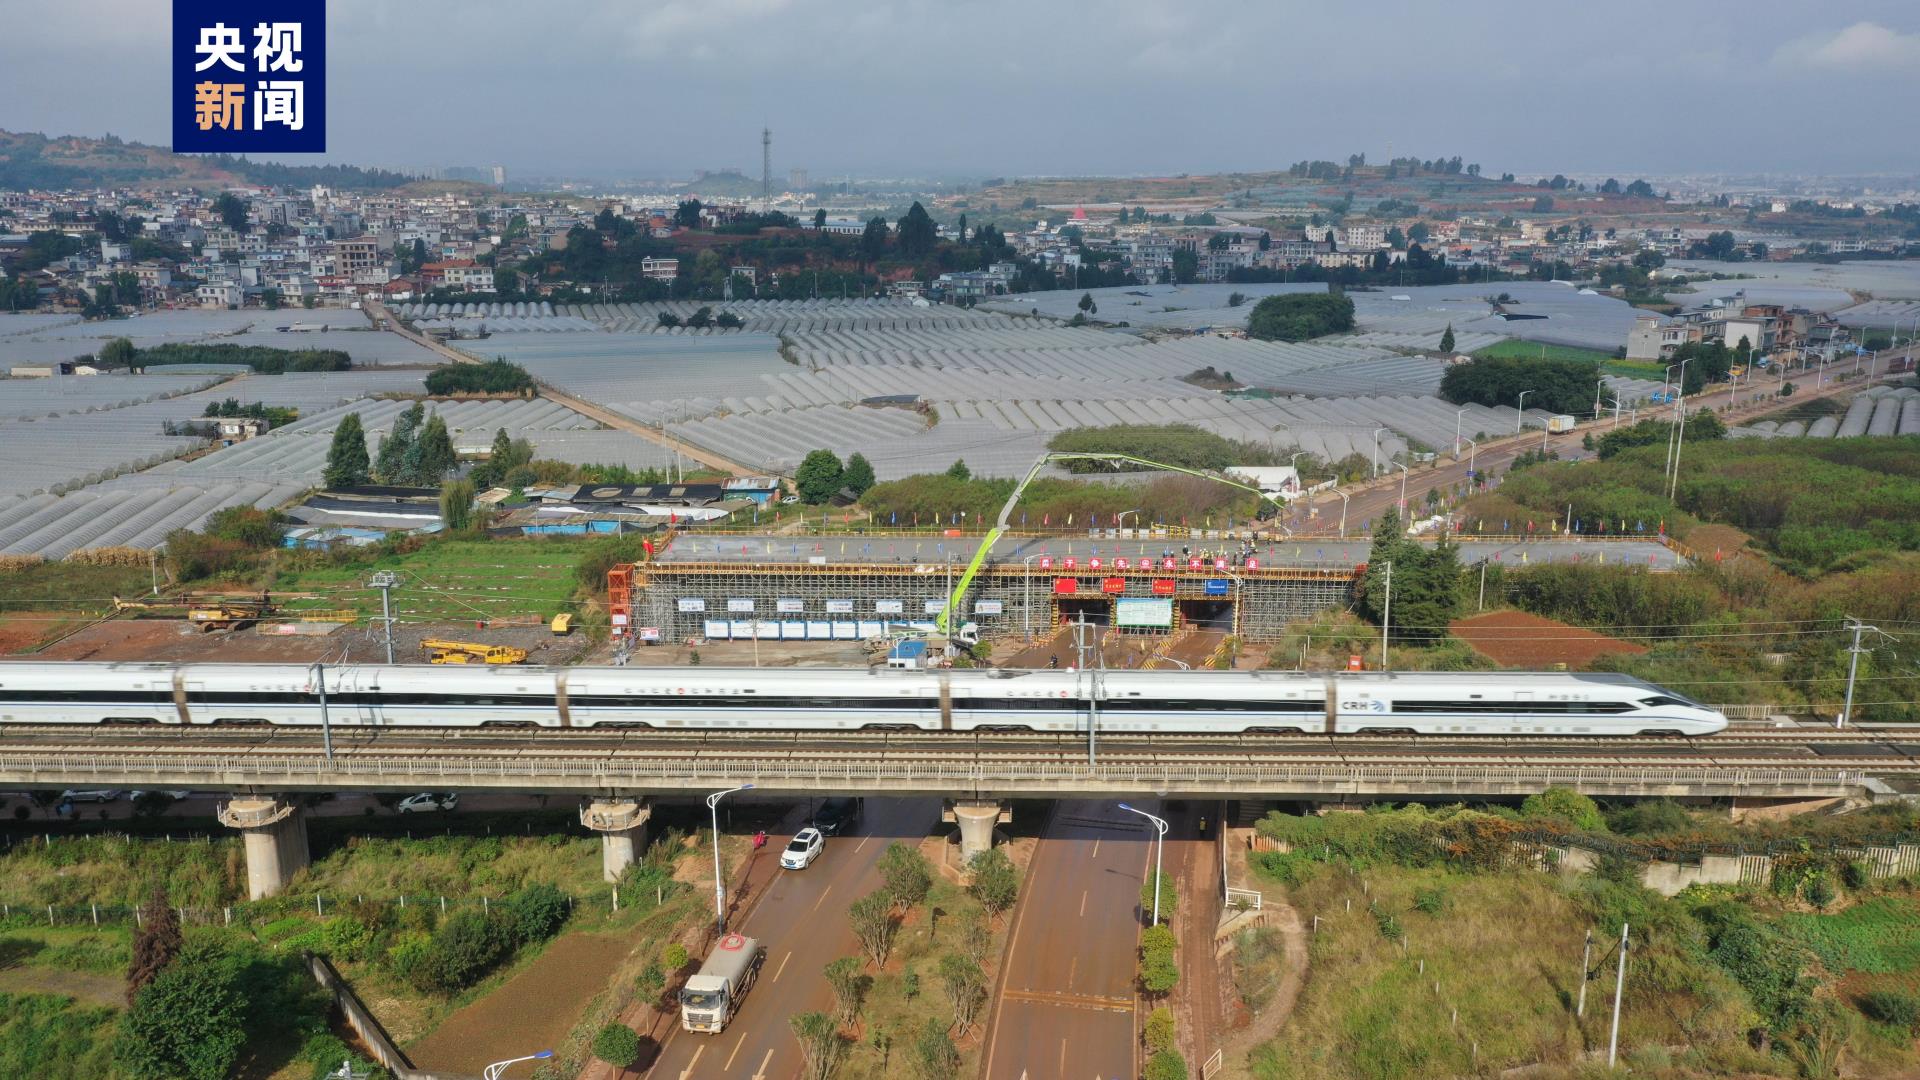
column 1023, row 517
column 1069, row 519
column 1046, row 519
column 893, row 518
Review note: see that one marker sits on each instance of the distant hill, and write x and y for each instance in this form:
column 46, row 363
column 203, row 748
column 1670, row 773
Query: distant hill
column 32, row 160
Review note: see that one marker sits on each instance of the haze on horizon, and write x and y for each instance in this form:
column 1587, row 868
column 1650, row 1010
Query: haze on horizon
column 906, row 87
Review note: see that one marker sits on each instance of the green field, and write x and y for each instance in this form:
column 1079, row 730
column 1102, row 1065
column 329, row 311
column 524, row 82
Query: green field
column 452, row 580
column 1528, row 349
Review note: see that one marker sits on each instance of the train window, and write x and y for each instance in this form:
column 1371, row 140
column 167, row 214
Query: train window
column 1658, row 700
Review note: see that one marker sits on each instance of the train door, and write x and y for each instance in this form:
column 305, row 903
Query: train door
column 367, row 709
column 1524, row 699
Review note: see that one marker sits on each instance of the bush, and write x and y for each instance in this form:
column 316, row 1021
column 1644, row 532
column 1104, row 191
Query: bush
column 996, row 884
column 674, row 956
column 1564, row 805
column 617, row 1045
column 1901, row 1008
column 1166, row 1065
column 261, row 358
column 1431, row 900
column 246, row 526
column 463, row 950
column 1160, row 1030
column 538, row 911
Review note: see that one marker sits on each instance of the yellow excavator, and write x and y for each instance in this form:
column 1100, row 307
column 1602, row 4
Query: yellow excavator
column 967, row 633
column 442, row 651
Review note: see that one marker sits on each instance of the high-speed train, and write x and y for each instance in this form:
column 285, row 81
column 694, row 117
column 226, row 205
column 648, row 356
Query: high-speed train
column 1210, row 702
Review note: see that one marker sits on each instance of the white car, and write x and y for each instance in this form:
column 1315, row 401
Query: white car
column 89, row 795
column 802, row 850
column 428, row 800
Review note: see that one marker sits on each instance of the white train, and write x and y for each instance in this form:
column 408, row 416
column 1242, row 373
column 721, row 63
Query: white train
column 1467, row 703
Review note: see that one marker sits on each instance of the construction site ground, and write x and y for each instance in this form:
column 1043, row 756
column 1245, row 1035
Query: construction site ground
column 181, row 641
column 1122, row 651
column 1518, row 639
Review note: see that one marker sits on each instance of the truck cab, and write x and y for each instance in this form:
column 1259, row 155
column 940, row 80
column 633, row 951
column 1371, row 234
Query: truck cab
column 710, row 998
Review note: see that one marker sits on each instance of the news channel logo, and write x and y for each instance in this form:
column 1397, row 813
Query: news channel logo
column 249, row 77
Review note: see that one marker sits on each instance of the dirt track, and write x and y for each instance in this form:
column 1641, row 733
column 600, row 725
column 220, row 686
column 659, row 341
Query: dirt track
column 535, row 1008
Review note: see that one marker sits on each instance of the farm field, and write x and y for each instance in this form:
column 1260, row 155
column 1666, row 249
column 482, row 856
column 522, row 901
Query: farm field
column 1519, row 640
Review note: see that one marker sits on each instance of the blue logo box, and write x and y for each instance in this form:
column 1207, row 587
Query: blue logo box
column 249, row 76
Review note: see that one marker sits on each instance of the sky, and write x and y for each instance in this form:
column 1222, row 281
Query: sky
column 625, row 88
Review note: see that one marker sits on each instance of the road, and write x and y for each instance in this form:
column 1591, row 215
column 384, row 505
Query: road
column 1368, row 503
column 1065, row 1003
column 802, row 921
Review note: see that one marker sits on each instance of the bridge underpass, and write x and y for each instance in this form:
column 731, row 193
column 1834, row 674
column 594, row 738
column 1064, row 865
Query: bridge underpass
column 616, row 773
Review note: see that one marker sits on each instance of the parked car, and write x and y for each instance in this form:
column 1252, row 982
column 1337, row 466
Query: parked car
column 803, row 849
column 176, row 796
column 836, row 816
column 428, row 801
column 89, row 795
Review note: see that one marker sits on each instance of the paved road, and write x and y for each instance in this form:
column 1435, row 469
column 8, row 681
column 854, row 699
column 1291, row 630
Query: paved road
column 1308, row 551
column 802, row 922
column 1066, row 996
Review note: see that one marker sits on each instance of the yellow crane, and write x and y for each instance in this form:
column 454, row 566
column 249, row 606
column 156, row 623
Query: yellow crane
column 471, row 652
column 945, row 621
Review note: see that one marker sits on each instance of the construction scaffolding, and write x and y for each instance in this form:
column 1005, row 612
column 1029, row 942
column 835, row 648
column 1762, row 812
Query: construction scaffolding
column 678, row 601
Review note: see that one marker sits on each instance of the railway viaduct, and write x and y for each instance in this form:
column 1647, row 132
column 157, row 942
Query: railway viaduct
column 617, row 775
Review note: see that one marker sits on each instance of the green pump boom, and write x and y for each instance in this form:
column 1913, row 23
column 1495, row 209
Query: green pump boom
column 945, row 622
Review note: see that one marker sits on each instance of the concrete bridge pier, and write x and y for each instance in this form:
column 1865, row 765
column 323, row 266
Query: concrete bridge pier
column 622, row 825
column 275, row 833
column 976, row 818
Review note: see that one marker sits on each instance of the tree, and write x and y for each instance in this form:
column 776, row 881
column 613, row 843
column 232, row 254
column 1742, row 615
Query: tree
column 1159, row 972
column 456, row 505
column 966, row 989
column 674, row 956
column 232, row 210
column 820, row 218
column 617, row 1045
column 390, row 458
column 1564, row 805
column 1299, row 316
column 1446, row 339
column 1169, row 894
column 1555, row 384
column 873, row 239
column 1086, row 303
column 819, row 477
column 155, row 943
column 431, row 456
column 849, row 986
column 875, row 924
column 668, row 319
column 1186, row 266
column 820, row 1043
column 905, row 874
column 916, row 232
column 934, row 1055
column 858, row 475
column 996, row 884
column 976, row 938
column 117, row 353
column 347, row 464
column 959, row 471
column 686, row 215
column 189, row 1022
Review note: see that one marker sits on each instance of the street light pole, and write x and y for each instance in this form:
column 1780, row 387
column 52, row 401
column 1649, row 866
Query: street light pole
column 1458, row 415
column 1519, row 409
column 326, row 728
column 1026, row 603
column 1404, row 473
column 498, row 1068
column 719, row 885
column 1619, row 984
column 1472, row 453
column 1159, row 844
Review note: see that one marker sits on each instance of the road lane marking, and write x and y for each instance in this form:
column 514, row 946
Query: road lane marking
column 687, row 1073
column 862, row 845
column 1063, row 1057
column 762, row 1073
column 1072, row 1001
column 782, row 967
column 823, row 897
column 1096, row 848
column 1073, row 969
column 736, row 1053
column 1083, row 903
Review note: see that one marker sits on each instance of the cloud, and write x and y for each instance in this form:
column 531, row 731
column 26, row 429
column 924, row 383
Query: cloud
column 1862, row 45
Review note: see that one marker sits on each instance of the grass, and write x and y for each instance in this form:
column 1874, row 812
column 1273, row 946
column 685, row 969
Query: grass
column 451, row 580
column 111, row 871
column 71, row 587
column 102, row 952
column 1504, row 950
column 42, row 1035
column 1513, row 347
column 1880, row 937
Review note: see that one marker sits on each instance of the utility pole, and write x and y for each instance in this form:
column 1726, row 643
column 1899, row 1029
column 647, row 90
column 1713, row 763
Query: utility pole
column 1586, row 975
column 320, row 688
column 1853, row 666
column 1619, row 984
column 385, row 580
column 1386, row 616
column 766, row 169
